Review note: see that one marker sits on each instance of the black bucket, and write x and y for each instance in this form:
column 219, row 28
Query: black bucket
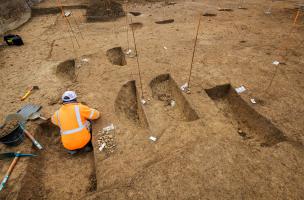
column 14, row 138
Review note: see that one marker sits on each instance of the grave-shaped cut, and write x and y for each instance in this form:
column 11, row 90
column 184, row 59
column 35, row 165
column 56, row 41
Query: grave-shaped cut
column 135, row 13
column 128, row 106
column 247, row 121
column 167, row 21
column 165, row 89
column 66, row 70
column 116, row 56
column 104, row 10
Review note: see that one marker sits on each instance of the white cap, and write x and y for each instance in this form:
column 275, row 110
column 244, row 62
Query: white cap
column 69, row 96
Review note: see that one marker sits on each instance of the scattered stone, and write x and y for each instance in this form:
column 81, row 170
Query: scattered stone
column 106, row 142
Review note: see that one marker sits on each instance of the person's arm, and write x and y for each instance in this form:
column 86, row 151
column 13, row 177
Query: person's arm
column 89, row 113
column 54, row 119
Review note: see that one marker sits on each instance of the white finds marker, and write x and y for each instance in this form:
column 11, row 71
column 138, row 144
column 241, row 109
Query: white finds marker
column 172, row 103
column 108, row 128
column 276, row 62
column 129, row 51
column 143, row 101
column 102, row 146
column 253, row 101
column 67, row 13
column 85, row 60
column 184, row 87
column 153, row 138
column 240, row 89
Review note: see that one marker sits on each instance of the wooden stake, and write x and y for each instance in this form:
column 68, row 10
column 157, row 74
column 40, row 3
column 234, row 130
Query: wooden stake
column 194, row 49
column 139, row 73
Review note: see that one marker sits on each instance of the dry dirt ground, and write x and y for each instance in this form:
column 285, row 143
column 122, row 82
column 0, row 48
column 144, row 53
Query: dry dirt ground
column 213, row 144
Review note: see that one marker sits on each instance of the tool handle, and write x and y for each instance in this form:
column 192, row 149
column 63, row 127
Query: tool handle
column 43, row 118
column 26, row 94
column 36, row 143
column 9, row 171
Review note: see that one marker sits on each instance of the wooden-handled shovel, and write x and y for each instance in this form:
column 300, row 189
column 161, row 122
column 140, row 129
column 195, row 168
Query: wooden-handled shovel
column 36, row 143
column 9, row 171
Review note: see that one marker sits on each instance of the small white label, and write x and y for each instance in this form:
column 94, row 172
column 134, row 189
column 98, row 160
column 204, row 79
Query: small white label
column 253, row 101
column 102, row 146
column 129, row 51
column 153, row 138
column 184, row 87
column 108, row 128
column 143, row 101
column 275, row 62
column 240, row 89
column 172, row 103
column 85, row 60
column 165, row 47
column 67, row 13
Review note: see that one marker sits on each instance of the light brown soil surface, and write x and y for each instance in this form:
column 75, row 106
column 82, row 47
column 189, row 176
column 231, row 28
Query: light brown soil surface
column 213, row 144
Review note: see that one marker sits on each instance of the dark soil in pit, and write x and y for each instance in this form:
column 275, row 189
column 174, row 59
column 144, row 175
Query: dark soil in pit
column 248, row 122
column 168, row 105
column 167, row 21
column 66, row 70
column 116, row 56
column 104, row 10
column 8, row 127
column 136, row 25
column 127, row 105
column 135, row 13
column 54, row 174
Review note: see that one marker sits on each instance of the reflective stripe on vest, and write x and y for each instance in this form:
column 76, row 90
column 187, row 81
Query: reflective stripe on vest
column 91, row 114
column 80, row 125
column 57, row 114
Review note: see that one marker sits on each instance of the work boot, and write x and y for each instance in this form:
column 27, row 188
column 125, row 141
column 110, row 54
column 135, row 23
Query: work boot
column 72, row 152
column 88, row 148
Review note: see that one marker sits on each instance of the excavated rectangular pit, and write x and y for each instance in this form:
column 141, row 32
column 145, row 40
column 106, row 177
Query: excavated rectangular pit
column 168, row 105
column 54, row 174
column 249, row 123
column 104, row 10
column 127, row 105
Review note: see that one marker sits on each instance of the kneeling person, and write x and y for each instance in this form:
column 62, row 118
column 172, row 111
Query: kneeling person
column 72, row 119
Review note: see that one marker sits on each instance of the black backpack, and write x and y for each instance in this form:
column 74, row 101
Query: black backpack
column 13, row 40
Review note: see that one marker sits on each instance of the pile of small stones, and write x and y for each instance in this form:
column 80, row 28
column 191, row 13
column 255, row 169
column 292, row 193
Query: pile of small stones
column 107, row 139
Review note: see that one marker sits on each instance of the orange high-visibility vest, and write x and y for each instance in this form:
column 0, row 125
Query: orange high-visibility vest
column 72, row 118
